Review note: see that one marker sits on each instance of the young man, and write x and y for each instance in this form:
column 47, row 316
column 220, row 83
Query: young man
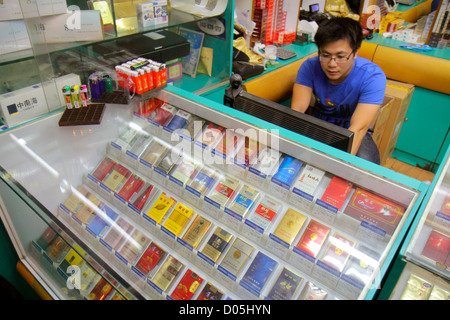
column 348, row 89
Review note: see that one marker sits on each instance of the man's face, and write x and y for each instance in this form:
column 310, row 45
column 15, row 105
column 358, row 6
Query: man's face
column 337, row 59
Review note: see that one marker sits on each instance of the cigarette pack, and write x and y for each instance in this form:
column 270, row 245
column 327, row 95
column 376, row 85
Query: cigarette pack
column 179, row 121
column 187, row 286
column 236, row 257
column 225, row 190
column 72, row 258
column 150, row 259
column 439, row 294
column 210, row 135
column 155, row 151
column 445, row 208
column 134, row 245
column 267, row 162
column 244, row 200
column 416, row 289
column 133, row 185
column 285, row 286
column 437, row 247
column 309, row 179
column 186, row 170
column 204, row 180
column 248, row 153
column 194, row 128
column 116, row 234
column 57, row 249
column 336, row 192
column 258, row 272
column 100, row 291
column 290, row 225
column 77, row 199
column 103, row 168
column 287, row 171
column 167, row 273
column 117, row 177
column 217, row 244
column 179, row 219
column 366, row 206
column 140, row 144
column 227, row 143
column 163, row 114
column 265, row 212
column 312, row 292
column 168, row 162
column 46, row 238
column 313, row 238
column 101, row 223
column 142, row 196
column 210, row 292
column 337, row 254
column 160, row 208
column 86, row 213
column 196, row 231
column 360, row 268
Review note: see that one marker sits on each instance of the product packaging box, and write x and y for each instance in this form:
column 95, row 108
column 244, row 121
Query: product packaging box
column 82, row 25
column 382, row 213
column 14, row 36
column 401, row 94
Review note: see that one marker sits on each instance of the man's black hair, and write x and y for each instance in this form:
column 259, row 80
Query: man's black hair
column 339, row 28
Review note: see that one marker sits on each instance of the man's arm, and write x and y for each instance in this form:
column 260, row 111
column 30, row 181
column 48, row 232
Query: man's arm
column 301, row 97
column 361, row 119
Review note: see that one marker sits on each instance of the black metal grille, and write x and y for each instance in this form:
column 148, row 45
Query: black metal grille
column 292, row 120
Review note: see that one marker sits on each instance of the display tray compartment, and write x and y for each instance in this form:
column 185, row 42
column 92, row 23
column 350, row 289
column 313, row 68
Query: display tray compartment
column 82, row 116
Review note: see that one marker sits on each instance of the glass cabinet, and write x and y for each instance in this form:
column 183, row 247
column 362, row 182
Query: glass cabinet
column 178, row 197
column 422, row 271
column 46, row 45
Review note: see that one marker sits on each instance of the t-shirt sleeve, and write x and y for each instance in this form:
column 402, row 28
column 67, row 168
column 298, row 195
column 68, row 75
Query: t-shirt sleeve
column 374, row 87
column 304, row 74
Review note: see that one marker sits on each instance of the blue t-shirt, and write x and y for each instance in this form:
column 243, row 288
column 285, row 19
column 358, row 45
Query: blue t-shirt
column 366, row 83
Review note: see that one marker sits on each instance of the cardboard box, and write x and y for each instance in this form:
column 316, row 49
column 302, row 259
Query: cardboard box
column 381, row 120
column 392, row 121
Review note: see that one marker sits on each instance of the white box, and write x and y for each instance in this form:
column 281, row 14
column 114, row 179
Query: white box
column 22, row 105
column 13, row 36
column 30, row 102
column 82, row 25
column 145, row 14
column 10, row 10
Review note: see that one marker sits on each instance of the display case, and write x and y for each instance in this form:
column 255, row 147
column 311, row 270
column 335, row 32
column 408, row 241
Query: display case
column 182, row 193
column 46, row 45
column 422, row 269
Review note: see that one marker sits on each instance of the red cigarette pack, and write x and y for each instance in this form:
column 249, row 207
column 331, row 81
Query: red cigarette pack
column 133, row 184
column 437, row 247
column 187, row 286
column 103, row 168
column 374, row 209
column 313, row 238
column 336, row 256
column 336, row 192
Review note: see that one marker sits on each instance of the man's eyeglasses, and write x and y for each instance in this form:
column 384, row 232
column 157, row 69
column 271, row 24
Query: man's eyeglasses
column 326, row 58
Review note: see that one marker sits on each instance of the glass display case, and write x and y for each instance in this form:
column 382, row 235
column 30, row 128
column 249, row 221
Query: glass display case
column 178, row 197
column 46, row 46
column 423, row 266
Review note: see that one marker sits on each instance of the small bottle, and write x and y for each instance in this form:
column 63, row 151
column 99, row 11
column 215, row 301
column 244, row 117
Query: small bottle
column 84, row 96
column 66, row 94
column 75, row 95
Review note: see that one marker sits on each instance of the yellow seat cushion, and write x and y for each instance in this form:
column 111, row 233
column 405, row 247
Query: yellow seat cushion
column 275, row 85
column 421, row 70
